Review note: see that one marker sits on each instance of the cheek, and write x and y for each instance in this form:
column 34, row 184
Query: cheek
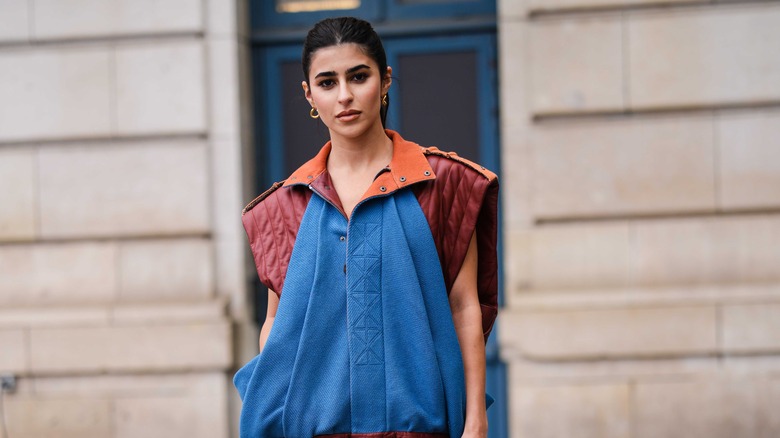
column 319, row 98
column 371, row 94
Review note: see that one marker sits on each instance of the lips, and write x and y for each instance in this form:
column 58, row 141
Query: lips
column 348, row 115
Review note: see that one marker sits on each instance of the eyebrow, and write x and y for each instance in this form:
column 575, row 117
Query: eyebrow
column 350, row 70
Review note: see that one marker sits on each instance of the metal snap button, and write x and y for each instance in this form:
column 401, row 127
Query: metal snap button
column 402, row 179
column 382, row 189
column 342, row 238
column 427, row 173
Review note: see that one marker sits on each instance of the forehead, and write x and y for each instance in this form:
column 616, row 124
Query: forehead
column 339, row 58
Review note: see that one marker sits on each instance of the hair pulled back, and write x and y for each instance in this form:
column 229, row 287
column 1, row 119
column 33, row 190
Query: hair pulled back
column 343, row 30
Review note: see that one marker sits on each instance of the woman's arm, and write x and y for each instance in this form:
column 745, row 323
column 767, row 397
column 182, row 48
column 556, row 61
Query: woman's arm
column 467, row 316
column 270, row 314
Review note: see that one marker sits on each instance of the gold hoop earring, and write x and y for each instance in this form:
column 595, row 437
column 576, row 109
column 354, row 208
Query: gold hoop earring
column 313, row 113
column 384, row 100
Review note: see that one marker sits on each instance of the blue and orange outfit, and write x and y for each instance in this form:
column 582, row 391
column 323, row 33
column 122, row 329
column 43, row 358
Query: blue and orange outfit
column 363, row 344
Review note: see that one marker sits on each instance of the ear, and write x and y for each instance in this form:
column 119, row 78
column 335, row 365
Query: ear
column 307, row 93
column 387, row 80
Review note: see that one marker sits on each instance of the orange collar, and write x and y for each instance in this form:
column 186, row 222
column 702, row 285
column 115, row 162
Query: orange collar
column 408, row 166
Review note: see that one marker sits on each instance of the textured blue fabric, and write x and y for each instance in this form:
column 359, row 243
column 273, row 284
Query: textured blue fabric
column 372, row 349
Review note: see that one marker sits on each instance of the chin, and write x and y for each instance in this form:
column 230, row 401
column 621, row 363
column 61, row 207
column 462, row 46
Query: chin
column 351, row 131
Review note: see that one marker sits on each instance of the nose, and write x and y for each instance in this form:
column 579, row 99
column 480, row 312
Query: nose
column 345, row 93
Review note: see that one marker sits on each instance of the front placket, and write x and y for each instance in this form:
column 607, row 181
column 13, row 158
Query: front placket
column 364, row 317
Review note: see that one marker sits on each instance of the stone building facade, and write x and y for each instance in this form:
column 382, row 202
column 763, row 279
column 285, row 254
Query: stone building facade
column 122, row 258
column 641, row 217
column 640, row 193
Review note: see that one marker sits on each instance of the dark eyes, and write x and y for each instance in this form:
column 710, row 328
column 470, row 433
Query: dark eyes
column 359, row 77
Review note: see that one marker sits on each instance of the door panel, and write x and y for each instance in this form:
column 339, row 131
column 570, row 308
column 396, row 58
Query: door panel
column 443, row 93
column 439, row 102
column 287, row 134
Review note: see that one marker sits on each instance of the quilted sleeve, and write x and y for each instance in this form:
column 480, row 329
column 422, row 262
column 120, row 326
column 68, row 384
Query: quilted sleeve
column 271, row 223
column 461, row 201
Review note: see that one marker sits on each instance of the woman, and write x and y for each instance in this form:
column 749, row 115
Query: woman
column 380, row 258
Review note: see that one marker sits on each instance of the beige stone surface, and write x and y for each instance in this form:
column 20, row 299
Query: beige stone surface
column 576, row 65
column 46, row 274
column 651, row 296
column 510, row 10
column 40, row 87
column 517, row 265
column 164, row 270
column 227, row 18
column 230, row 239
column 14, row 20
column 516, row 199
column 13, row 346
column 703, row 57
column 749, row 164
column 113, row 386
column 58, row 418
column 713, row 250
column 529, row 372
column 229, row 269
column 224, row 93
column 713, row 407
column 579, row 256
column 584, row 411
column 172, row 417
column 153, row 188
column 170, row 405
column 168, row 312
column 751, row 328
column 746, row 365
column 611, row 333
column 641, row 165
column 768, row 423
column 89, row 18
column 104, row 314
column 555, row 5
column 18, row 219
column 514, row 50
column 54, row 316
column 160, row 347
column 160, row 88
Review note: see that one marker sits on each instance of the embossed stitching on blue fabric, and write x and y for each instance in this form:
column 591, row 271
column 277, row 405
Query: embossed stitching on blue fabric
column 364, row 289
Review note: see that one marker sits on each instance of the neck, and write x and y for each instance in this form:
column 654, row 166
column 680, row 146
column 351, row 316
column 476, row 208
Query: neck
column 373, row 148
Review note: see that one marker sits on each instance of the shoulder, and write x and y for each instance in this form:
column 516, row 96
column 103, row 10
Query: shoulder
column 444, row 163
column 278, row 196
column 271, row 190
column 279, row 206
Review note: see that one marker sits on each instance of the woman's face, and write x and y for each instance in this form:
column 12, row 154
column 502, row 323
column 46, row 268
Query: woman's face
column 346, row 88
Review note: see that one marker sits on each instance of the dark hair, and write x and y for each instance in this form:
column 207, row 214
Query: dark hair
column 342, row 30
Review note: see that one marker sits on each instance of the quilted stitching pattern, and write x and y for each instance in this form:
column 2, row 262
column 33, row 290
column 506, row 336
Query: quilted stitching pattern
column 457, row 203
column 272, row 226
column 364, row 308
